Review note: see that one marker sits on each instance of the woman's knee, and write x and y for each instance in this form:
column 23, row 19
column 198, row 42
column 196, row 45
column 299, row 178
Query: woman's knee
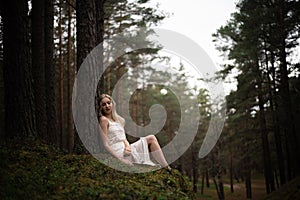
column 151, row 139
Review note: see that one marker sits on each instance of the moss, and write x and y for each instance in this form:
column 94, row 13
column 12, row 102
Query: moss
column 31, row 169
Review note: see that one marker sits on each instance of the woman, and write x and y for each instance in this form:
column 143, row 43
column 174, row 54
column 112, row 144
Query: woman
column 115, row 142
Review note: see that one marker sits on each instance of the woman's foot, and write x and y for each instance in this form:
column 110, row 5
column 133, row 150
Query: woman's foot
column 168, row 168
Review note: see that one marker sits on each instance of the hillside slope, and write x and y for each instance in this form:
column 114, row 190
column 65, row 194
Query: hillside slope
column 31, row 169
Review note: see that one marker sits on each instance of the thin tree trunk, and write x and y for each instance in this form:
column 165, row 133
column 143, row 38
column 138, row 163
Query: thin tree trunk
column 118, row 66
column 194, row 169
column 108, row 69
column 269, row 179
column 99, row 14
column 273, row 106
column 71, row 133
column 288, row 121
column 207, row 178
column 202, row 183
column 248, row 184
column 219, row 192
column 49, row 74
column 2, row 105
column 217, row 188
column 231, row 173
column 221, row 187
column 288, row 157
column 276, row 178
column 38, row 65
column 143, row 104
column 62, row 139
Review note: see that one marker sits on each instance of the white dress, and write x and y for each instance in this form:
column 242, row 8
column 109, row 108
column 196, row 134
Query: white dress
column 139, row 149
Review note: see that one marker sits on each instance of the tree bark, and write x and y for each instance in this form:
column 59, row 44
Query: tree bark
column 19, row 103
column 248, row 184
column 99, row 12
column 50, row 74
column 71, row 134
column 219, row 187
column 2, row 106
column 231, row 173
column 288, row 119
column 62, row 138
column 86, row 29
column 87, row 40
column 194, row 168
column 202, row 183
column 268, row 172
column 273, row 105
column 207, row 178
column 38, row 65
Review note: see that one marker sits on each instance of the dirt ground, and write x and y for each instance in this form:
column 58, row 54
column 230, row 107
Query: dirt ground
column 258, row 191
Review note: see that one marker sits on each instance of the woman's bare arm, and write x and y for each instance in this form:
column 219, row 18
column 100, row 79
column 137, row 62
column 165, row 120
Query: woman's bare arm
column 127, row 150
column 103, row 133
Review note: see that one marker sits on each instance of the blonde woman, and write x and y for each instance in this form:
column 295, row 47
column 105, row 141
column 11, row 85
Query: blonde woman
column 115, row 142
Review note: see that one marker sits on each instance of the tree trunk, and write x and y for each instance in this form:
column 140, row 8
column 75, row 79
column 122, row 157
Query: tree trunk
column 86, row 29
column 86, row 18
column 276, row 178
column 231, row 173
column 50, row 74
column 248, row 184
column 288, row 156
column 288, row 119
column 194, row 168
column 219, row 188
column 275, row 120
column 202, row 183
column 99, row 12
column 38, row 65
column 19, row 103
column 62, row 139
column 71, row 133
column 268, row 172
column 207, row 178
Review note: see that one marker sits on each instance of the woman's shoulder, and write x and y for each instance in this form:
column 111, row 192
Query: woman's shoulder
column 104, row 119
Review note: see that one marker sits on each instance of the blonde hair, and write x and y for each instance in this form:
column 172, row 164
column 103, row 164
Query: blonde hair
column 114, row 113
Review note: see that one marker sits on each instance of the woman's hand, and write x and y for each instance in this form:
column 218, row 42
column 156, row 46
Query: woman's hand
column 127, row 162
column 127, row 150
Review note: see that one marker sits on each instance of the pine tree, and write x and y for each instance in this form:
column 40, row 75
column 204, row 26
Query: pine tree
column 38, row 65
column 19, row 105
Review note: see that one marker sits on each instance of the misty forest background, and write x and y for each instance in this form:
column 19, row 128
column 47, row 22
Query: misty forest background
column 42, row 46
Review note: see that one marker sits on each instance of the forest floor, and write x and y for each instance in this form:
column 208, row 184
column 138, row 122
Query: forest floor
column 289, row 191
column 239, row 190
column 31, row 169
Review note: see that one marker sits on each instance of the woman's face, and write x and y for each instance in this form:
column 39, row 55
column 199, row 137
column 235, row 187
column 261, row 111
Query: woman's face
column 106, row 105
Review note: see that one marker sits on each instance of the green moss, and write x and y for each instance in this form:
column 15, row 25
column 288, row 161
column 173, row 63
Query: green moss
column 30, row 169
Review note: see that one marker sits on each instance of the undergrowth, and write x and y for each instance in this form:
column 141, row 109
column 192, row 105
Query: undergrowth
column 31, row 169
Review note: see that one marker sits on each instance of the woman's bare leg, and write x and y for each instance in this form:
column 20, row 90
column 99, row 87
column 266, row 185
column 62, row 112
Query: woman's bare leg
column 157, row 152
